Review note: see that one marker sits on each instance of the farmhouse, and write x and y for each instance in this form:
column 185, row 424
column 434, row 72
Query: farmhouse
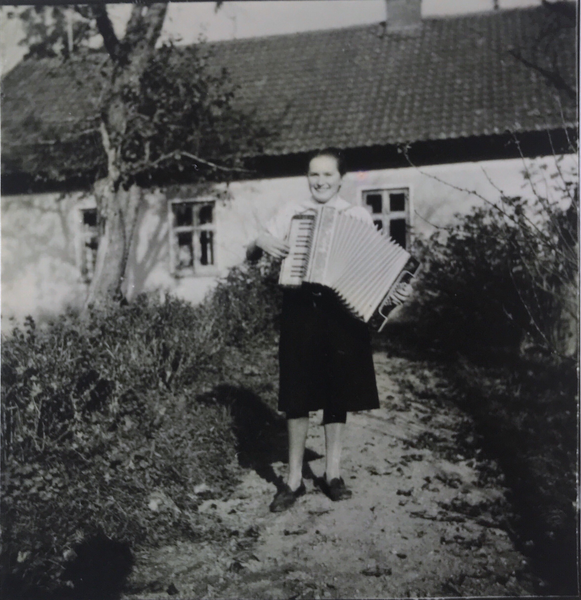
column 432, row 114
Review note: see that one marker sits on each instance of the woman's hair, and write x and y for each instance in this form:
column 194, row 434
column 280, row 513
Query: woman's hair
column 333, row 153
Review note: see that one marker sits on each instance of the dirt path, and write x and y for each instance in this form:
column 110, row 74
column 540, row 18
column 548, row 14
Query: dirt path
column 425, row 518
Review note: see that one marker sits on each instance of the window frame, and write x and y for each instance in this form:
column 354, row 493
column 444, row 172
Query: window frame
column 387, row 215
column 197, row 269
column 84, row 236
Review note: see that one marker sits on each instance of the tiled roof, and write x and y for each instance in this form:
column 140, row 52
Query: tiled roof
column 450, row 78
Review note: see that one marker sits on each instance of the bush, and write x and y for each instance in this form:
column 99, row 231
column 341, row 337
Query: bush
column 102, row 434
column 107, row 428
column 499, row 277
column 246, row 304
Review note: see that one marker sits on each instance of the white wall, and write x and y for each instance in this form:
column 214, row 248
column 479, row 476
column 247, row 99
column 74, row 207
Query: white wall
column 40, row 241
column 39, row 255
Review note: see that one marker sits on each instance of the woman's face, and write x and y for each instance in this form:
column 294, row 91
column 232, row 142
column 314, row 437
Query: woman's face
column 324, row 178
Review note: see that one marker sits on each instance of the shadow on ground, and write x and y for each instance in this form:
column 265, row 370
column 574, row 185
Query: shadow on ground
column 100, row 569
column 261, row 432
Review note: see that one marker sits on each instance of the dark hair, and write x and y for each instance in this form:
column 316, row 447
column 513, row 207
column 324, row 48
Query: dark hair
column 333, row 153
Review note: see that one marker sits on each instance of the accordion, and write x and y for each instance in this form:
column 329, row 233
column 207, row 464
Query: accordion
column 368, row 272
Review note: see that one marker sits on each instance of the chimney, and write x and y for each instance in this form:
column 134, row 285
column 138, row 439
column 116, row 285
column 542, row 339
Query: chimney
column 403, row 14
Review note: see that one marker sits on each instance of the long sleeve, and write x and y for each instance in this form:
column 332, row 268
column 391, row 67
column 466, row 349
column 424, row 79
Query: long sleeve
column 279, row 225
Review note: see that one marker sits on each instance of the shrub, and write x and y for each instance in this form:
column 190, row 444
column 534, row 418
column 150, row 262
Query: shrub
column 102, row 434
column 498, row 277
column 246, row 304
column 106, row 431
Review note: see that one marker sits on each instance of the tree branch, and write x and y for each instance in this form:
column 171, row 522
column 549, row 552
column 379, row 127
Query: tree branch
column 175, row 155
column 553, row 77
column 542, row 236
column 144, row 28
column 134, row 23
column 110, row 151
column 567, row 9
column 105, row 27
column 156, row 17
column 538, row 196
column 213, row 165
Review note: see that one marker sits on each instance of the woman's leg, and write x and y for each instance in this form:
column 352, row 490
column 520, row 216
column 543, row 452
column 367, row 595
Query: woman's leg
column 333, row 447
column 333, row 485
column 297, row 439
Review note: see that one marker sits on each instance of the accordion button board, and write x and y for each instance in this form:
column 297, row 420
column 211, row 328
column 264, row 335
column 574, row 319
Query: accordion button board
column 294, row 266
column 368, row 271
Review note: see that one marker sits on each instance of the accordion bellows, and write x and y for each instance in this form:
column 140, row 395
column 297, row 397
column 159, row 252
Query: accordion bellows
column 363, row 267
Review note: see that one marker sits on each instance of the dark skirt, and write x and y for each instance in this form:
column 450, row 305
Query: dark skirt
column 325, row 355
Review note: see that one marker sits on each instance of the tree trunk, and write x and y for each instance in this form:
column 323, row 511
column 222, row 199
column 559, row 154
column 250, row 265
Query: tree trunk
column 117, row 206
column 118, row 212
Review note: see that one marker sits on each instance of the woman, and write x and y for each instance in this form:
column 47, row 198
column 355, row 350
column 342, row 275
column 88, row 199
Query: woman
column 325, row 353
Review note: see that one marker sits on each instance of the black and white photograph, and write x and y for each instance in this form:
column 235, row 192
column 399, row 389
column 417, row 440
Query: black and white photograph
column 289, row 300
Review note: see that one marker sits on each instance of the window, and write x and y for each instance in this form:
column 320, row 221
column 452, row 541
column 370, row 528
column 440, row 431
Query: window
column 192, row 237
column 89, row 243
column 390, row 212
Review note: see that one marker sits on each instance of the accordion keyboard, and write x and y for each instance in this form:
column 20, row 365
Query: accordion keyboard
column 295, row 265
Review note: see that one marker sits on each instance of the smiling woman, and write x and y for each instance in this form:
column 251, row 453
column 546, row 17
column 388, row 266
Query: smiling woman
column 325, row 353
column 325, row 176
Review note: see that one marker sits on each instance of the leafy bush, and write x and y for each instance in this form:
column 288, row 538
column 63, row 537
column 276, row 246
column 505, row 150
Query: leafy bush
column 107, row 428
column 500, row 276
column 246, row 304
column 102, row 433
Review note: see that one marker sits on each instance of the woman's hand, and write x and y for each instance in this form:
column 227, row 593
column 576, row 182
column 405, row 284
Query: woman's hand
column 272, row 245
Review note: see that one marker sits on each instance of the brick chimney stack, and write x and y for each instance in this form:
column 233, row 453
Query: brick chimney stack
column 403, row 14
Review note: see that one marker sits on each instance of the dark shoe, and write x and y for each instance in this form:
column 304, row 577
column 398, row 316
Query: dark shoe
column 335, row 489
column 285, row 497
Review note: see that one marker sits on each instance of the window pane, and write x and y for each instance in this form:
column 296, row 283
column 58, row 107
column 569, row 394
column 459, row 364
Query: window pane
column 206, row 248
column 90, row 217
column 397, row 201
column 378, row 224
column 183, row 214
column 92, row 242
column 185, row 250
column 205, row 213
column 374, row 200
column 397, row 231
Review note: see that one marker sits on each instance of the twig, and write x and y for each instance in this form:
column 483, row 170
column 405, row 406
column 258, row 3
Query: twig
column 214, row 165
column 105, row 27
column 548, row 344
column 537, row 195
column 572, row 146
column 176, row 154
column 557, row 166
column 554, row 78
column 543, row 236
column 57, row 141
column 432, row 224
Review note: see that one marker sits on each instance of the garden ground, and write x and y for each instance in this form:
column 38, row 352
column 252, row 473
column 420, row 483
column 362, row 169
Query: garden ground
column 429, row 514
